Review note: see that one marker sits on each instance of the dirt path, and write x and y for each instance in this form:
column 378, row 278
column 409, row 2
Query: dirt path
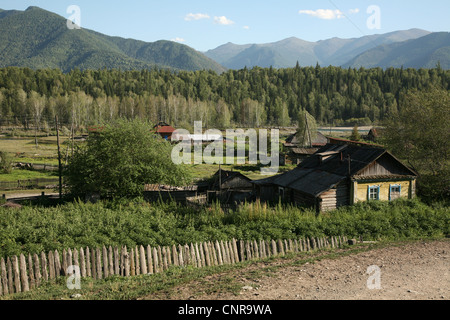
column 412, row 271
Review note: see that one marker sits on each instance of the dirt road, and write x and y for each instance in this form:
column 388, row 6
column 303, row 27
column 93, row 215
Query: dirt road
column 410, row 271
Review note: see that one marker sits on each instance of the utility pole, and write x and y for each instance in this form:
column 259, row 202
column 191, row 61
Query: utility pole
column 220, row 178
column 59, row 158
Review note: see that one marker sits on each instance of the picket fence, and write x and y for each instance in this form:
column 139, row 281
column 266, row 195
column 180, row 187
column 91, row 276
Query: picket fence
column 22, row 274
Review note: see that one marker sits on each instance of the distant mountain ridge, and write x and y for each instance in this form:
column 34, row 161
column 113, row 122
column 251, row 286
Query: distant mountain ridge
column 425, row 52
column 37, row 38
column 286, row 53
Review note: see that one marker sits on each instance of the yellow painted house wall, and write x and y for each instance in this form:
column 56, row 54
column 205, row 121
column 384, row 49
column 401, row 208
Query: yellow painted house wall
column 361, row 194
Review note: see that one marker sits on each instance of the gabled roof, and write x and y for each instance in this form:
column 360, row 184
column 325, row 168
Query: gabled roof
column 226, row 176
column 319, row 141
column 329, row 167
column 163, row 127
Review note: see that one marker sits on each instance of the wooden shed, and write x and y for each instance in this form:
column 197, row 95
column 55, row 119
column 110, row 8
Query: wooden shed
column 230, row 187
column 341, row 175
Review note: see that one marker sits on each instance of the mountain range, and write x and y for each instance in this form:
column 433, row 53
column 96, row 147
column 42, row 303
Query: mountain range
column 415, row 48
column 37, row 39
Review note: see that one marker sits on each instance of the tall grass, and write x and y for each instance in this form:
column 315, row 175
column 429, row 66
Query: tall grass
column 34, row 229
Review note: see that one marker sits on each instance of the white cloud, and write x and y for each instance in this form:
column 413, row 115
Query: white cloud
column 223, row 21
column 326, row 14
column 196, row 16
column 177, row 39
column 354, row 11
column 246, row 27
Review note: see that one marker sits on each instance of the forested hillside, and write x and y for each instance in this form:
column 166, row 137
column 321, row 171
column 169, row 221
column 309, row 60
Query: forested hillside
column 245, row 98
column 37, row 39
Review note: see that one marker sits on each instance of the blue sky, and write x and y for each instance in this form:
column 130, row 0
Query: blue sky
column 205, row 25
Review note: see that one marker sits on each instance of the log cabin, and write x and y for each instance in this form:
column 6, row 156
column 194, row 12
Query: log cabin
column 341, row 175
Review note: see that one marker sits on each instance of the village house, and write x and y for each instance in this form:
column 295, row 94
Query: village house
column 164, row 130
column 340, row 175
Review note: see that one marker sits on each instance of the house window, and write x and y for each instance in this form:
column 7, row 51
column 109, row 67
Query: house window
column 374, row 193
column 395, row 192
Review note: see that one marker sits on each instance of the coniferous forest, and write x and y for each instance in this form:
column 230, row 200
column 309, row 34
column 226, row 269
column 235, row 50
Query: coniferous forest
column 244, row 98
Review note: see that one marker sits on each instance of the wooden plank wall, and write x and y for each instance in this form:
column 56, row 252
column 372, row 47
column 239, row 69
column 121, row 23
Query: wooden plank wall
column 335, row 198
column 26, row 272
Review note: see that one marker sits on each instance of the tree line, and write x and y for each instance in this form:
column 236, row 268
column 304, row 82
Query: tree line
column 245, row 98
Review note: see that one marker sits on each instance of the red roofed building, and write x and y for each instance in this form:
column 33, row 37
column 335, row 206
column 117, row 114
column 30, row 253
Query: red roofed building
column 164, row 130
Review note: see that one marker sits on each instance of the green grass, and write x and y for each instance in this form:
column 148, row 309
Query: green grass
column 27, row 175
column 25, row 150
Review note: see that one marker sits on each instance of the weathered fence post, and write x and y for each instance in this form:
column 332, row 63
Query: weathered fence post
column 69, row 260
column 180, row 255
column 99, row 264
column 23, row 274
column 15, row 266
column 242, row 250
column 116, row 261
column 193, row 258
column 274, row 248
column 51, row 265
column 143, row 262
column 202, row 255
column 137, row 261
column 111, row 261
column 200, row 262
column 223, row 252
column 207, row 254
column 93, row 264
column 160, row 259
column 31, row 272
column 133, row 269
column 230, row 252
column 280, row 247
column 165, row 253
column 88, row 263
column 126, row 261
column 82, row 263
column 235, row 250
column 256, row 250
column 175, row 256
column 105, row 263
column 4, row 277
column 149, row 260
column 37, row 271
column 64, row 262
column 155, row 260
column 215, row 258
column 219, row 253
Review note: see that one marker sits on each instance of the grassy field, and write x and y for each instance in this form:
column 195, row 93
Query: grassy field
column 24, row 150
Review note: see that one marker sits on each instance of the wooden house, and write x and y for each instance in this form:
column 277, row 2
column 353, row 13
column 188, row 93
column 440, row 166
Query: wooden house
column 341, row 175
column 164, row 130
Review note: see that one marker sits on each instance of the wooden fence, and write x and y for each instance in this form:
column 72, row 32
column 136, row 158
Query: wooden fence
column 24, row 273
column 29, row 184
